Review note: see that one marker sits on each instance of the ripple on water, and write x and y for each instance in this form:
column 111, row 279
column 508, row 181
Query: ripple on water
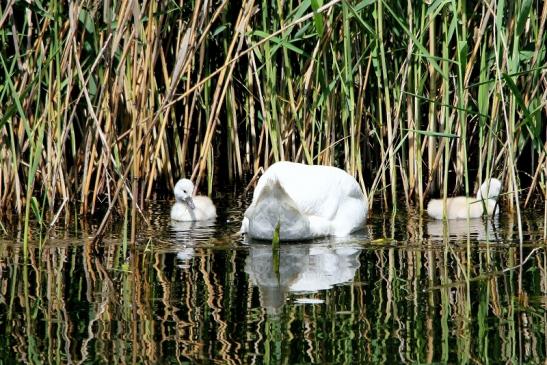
column 404, row 289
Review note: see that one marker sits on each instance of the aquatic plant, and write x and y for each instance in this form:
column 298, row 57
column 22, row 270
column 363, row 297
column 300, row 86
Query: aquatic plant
column 105, row 103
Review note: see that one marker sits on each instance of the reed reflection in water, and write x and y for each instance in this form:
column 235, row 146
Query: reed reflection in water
column 405, row 290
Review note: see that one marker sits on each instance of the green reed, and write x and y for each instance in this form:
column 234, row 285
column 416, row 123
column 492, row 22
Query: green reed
column 105, row 103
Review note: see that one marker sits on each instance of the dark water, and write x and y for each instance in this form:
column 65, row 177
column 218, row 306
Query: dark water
column 405, row 290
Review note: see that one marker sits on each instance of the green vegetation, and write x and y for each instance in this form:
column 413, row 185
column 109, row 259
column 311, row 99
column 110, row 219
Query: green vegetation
column 104, row 102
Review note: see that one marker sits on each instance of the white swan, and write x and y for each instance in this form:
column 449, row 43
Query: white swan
column 460, row 206
column 189, row 207
column 307, row 201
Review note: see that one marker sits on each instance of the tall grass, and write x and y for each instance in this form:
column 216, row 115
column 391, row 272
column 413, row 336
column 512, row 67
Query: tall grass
column 105, row 102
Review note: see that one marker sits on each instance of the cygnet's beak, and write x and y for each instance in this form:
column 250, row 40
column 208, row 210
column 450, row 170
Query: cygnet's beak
column 190, row 202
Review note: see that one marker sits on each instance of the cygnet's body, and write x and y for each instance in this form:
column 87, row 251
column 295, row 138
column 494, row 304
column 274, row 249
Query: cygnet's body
column 307, row 202
column 189, row 207
column 462, row 207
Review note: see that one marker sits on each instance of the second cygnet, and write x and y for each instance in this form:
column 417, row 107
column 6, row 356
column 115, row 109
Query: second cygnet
column 461, row 206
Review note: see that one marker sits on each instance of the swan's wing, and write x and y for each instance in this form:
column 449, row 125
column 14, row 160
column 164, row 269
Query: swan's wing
column 458, row 207
column 244, row 225
column 311, row 200
column 206, row 207
column 315, row 190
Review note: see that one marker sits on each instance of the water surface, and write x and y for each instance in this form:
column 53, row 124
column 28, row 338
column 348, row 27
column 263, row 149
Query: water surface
column 404, row 290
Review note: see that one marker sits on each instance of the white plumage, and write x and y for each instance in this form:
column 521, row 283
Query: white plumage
column 307, row 201
column 460, row 207
column 190, row 207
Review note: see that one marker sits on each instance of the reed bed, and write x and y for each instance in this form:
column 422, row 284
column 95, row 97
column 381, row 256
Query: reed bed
column 106, row 103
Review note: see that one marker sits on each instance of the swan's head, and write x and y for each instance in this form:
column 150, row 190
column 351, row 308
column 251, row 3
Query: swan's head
column 184, row 190
column 490, row 189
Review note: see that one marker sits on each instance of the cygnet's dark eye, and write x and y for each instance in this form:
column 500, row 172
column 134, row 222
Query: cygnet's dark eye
column 184, row 191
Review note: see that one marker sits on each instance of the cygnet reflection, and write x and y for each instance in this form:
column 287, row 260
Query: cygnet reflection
column 187, row 235
column 457, row 229
column 302, row 268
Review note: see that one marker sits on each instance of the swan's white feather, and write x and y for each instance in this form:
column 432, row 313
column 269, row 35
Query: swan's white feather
column 308, row 201
column 204, row 210
column 189, row 207
column 461, row 207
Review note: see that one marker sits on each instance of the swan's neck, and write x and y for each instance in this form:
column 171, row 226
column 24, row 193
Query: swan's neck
column 486, row 193
column 185, row 202
column 191, row 211
column 491, row 206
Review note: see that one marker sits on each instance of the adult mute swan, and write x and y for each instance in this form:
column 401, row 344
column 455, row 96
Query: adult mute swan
column 459, row 207
column 307, row 202
column 189, row 207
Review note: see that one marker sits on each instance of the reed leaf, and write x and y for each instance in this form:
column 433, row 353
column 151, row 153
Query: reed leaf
column 136, row 95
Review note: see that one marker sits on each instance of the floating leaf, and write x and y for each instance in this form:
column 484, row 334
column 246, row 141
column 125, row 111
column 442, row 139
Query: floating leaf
column 381, row 241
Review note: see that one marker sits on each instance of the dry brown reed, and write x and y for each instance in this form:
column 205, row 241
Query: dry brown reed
column 105, row 103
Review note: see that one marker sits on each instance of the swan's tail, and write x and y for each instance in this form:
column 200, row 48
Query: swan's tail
column 435, row 208
column 274, row 206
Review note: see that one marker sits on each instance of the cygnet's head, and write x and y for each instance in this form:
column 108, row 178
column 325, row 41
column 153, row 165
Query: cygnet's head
column 490, row 189
column 184, row 189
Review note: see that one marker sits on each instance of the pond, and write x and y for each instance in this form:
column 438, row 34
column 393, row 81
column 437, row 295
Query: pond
column 404, row 290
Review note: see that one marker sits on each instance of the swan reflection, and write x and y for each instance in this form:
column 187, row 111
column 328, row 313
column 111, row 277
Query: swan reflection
column 302, row 269
column 478, row 229
column 187, row 234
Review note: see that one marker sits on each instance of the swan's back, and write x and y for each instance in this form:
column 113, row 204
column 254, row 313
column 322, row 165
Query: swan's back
column 462, row 207
column 456, row 208
column 205, row 206
column 204, row 210
column 315, row 190
column 307, row 201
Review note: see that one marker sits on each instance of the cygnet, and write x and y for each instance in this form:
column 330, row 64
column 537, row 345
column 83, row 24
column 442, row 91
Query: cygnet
column 190, row 207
